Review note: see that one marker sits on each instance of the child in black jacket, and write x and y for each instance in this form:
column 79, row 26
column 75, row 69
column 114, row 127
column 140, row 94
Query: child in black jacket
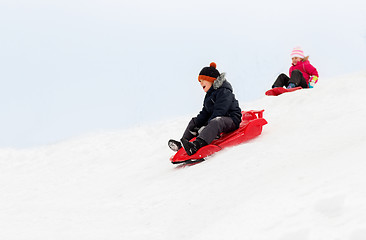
column 220, row 112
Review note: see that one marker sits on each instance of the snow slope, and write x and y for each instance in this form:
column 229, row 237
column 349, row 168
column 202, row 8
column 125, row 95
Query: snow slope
column 303, row 178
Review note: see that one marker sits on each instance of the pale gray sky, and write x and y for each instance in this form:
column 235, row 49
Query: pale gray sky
column 74, row 67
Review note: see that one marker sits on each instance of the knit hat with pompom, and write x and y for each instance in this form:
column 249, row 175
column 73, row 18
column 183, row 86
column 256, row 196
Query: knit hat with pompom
column 209, row 73
column 297, row 52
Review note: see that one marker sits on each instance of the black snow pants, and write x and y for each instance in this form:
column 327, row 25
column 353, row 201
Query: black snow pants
column 296, row 78
column 212, row 130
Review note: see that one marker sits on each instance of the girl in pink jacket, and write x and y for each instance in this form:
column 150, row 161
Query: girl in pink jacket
column 302, row 73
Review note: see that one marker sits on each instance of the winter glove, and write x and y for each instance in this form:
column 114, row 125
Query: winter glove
column 313, row 81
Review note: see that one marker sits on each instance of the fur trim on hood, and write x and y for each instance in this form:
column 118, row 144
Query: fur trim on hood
column 219, row 81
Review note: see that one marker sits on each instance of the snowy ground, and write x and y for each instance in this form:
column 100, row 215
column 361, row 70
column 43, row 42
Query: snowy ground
column 303, row 178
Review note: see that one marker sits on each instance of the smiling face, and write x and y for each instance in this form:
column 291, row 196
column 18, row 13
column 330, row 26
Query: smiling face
column 295, row 60
column 206, row 85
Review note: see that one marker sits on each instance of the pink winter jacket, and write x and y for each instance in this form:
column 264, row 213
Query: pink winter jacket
column 306, row 68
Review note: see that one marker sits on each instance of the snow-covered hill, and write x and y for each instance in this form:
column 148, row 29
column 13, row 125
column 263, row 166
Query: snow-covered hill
column 303, row 178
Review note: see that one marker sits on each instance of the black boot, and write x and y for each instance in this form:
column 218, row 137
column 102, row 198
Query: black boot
column 192, row 147
column 174, row 145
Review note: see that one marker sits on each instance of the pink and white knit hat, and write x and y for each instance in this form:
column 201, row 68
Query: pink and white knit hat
column 297, row 52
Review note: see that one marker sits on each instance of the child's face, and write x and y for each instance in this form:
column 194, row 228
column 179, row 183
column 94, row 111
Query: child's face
column 206, row 85
column 295, row 60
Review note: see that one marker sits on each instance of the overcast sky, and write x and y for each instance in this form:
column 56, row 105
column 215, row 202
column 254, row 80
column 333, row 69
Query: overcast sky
column 75, row 67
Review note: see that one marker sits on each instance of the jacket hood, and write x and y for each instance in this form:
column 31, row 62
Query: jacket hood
column 221, row 82
column 302, row 63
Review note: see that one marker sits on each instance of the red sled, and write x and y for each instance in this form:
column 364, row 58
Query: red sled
column 279, row 90
column 250, row 127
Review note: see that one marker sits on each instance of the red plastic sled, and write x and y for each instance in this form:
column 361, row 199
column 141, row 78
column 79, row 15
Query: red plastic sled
column 250, row 127
column 279, row 90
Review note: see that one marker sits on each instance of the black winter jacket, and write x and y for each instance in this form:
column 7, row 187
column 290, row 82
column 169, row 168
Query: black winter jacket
column 219, row 101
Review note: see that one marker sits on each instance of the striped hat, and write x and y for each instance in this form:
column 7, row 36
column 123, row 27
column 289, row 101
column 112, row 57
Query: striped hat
column 297, row 52
column 209, row 73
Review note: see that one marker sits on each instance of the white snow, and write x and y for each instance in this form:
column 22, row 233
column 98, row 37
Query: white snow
column 304, row 178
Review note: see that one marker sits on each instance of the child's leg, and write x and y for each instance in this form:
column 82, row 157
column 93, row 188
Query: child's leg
column 282, row 80
column 191, row 130
column 215, row 127
column 298, row 79
column 208, row 134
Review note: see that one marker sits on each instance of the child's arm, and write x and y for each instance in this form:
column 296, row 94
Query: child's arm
column 311, row 70
column 223, row 102
column 313, row 73
column 290, row 71
column 202, row 117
